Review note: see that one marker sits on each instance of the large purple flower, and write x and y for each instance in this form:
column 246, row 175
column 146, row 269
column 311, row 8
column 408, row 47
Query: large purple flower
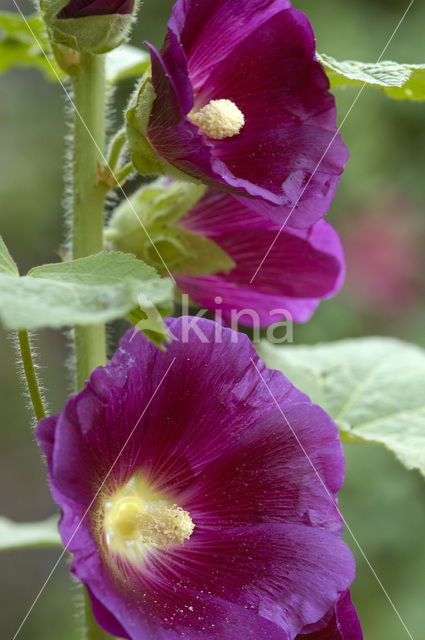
column 189, row 506
column 243, row 104
column 82, row 8
column 302, row 267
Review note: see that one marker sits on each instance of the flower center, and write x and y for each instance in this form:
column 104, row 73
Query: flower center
column 219, row 119
column 136, row 516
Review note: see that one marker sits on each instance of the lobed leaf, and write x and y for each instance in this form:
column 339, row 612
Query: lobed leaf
column 90, row 290
column 400, row 81
column 25, row 535
column 372, row 387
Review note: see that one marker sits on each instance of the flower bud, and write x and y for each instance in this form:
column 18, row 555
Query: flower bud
column 148, row 226
column 88, row 26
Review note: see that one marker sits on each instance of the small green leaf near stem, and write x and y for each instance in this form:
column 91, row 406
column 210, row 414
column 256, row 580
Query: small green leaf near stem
column 30, row 375
column 115, row 149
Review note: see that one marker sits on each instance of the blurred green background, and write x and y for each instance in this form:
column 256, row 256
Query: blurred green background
column 380, row 213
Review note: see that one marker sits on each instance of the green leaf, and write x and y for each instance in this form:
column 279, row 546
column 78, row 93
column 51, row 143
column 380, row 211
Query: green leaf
column 400, row 81
column 19, row 47
column 372, row 387
column 126, row 62
column 90, row 290
column 7, row 263
column 24, row 535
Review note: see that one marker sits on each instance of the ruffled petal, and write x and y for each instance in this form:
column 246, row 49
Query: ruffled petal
column 267, row 578
column 302, row 266
column 289, row 148
column 208, row 31
column 178, row 423
column 289, row 574
column 257, row 480
column 174, row 136
column 341, row 623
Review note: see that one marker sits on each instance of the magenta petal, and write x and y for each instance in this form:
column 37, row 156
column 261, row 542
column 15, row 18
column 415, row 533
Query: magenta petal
column 288, row 574
column 199, row 23
column 173, row 136
column 298, row 268
column 257, row 479
column 265, row 558
column 289, row 148
column 341, row 623
column 82, row 8
column 183, row 409
column 157, row 609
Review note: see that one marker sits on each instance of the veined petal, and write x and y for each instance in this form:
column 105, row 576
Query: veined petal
column 297, row 267
column 144, row 438
column 258, row 57
column 257, row 479
column 208, row 31
column 288, row 574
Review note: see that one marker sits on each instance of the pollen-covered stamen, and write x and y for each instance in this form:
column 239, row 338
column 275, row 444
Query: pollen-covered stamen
column 219, row 119
column 134, row 521
column 163, row 526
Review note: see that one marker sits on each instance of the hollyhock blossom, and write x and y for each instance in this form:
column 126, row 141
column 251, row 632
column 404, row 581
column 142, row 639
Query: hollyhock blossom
column 82, row 8
column 189, row 506
column 302, row 267
column 242, row 104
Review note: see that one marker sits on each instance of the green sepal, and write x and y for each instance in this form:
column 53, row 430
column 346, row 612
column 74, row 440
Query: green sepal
column 89, row 34
column 207, row 257
column 149, row 321
column 147, row 226
column 143, row 157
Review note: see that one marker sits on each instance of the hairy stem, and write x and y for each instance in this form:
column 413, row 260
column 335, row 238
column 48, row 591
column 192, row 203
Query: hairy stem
column 89, row 195
column 30, row 374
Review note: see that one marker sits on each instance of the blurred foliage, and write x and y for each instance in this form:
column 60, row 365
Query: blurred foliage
column 381, row 501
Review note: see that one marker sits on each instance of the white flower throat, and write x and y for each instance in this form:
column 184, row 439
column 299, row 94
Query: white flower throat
column 219, row 119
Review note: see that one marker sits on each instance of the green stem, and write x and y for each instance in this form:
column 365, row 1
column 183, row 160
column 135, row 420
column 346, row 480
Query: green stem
column 88, row 195
column 30, row 374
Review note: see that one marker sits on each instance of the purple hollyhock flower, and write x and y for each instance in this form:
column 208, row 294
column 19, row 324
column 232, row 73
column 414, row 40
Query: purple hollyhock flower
column 188, row 504
column 242, row 104
column 83, row 8
column 302, row 267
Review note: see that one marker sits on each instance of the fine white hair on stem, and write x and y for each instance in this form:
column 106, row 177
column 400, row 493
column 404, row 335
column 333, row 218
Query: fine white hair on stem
column 33, row 340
